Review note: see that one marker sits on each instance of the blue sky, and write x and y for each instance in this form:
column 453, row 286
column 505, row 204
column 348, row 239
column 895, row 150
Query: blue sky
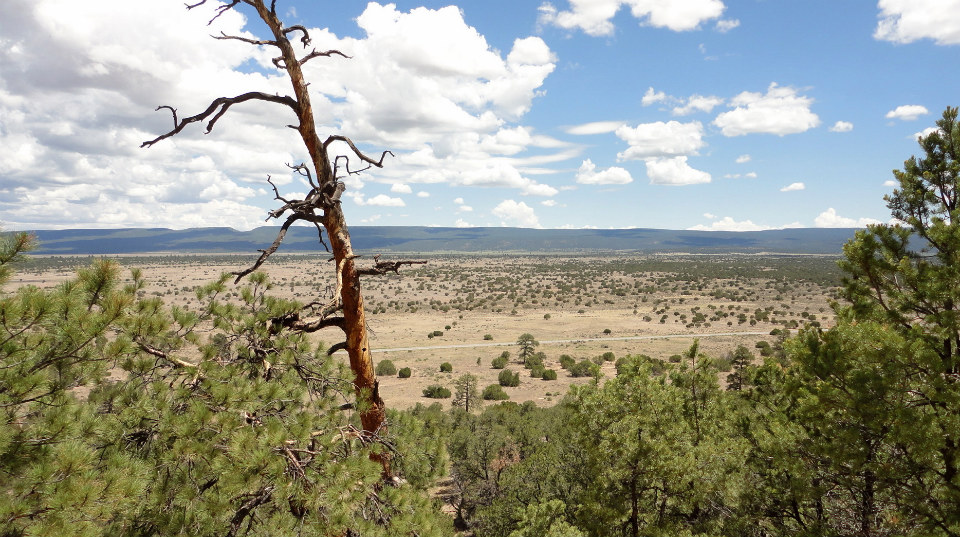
column 678, row 114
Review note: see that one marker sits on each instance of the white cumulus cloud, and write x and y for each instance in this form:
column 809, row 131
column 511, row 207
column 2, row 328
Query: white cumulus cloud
column 781, row 110
column 519, row 214
column 725, row 25
column 908, row 112
column 792, row 187
column 400, row 188
column 729, row 224
column 905, row 21
column 842, row 126
column 830, row 218
column 743, row 159
column 698, row 103
column 674, row 171
column 594, row 17
column 589, row 175
column 660, row 139
column 651, row 97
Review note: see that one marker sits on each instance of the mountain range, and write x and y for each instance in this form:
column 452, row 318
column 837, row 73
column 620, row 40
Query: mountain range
column 409, row 239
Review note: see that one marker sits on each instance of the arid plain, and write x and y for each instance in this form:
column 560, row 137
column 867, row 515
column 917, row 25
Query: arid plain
column 468, row 309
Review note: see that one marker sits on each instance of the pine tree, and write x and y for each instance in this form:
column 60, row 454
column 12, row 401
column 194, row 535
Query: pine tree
column 907, row 275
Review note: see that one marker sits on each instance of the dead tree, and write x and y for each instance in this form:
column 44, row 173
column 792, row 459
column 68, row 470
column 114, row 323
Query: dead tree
column 321, row 206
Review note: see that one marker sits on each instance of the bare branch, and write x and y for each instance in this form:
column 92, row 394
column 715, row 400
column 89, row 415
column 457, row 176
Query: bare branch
column 380, row 268
column 305, row 38
column 153, row 351
column 294, row 322
column 224, row 36
column 314, row 54
column 219, row 107
column 172, row 111
column 220, row 9
column 342, row 346
column 266, row 253
column 357, row 152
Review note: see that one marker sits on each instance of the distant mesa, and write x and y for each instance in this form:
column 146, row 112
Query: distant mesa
column 376, row 239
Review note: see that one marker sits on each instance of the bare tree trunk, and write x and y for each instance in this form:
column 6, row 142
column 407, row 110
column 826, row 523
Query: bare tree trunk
column 320, row 206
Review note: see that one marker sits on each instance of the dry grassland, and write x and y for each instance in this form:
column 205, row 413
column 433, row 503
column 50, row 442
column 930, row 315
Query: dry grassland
column 582, row 306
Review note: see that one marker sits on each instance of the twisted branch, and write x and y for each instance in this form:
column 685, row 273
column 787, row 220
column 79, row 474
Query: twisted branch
column 220, row 9
column 218, row 108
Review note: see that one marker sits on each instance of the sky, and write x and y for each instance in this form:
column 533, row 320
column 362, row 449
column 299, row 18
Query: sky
column 726, row 115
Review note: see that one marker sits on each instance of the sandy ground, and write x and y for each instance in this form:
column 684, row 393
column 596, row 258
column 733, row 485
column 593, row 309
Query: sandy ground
column 569, row 300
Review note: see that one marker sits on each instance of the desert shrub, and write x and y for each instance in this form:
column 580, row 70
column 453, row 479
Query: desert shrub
column 567, row 361
column 607, row 331
column 436, row 391
column 437, row 333
column 675, row 359
column 405, row 373
column 509, row 378
column 537, row 372
column 584, row 368
column 505, row 355
column 386, row 367
column 608, row 356
column 499, row 362
column 488, row 337
column 549, row 374
column 446, row 367
column 534, row 360
column 494, row 392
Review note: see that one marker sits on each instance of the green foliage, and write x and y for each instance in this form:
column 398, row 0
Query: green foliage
column 608, row 356
column 119, row 416
column 549, row 374
column 584, row 368
column 567, row 361
column 386, row 367
column 467, row 395
column 404, row 373
column 446, row 367
column 527, row 344
column 494, row 392
column 499, row 362
column 436, row 391
column 534, row 360
column 488, row 337
column 508, row 378
column 906, row 276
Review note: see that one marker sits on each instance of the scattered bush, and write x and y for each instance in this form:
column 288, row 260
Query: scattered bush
column 509, row 378
column 494, row 392
column 607, row 331
column 437, row 333
column 405, row 373
column 436, row 391
column 549, row 374
column 567, row 361
column 608, row 356
column 488, row 337
column 386, row 367
column 537, row 372
column 534, row 360
column 584, row 368
column 675, row 359
column 499, row 363
column 446, row 367
column 546, row 316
